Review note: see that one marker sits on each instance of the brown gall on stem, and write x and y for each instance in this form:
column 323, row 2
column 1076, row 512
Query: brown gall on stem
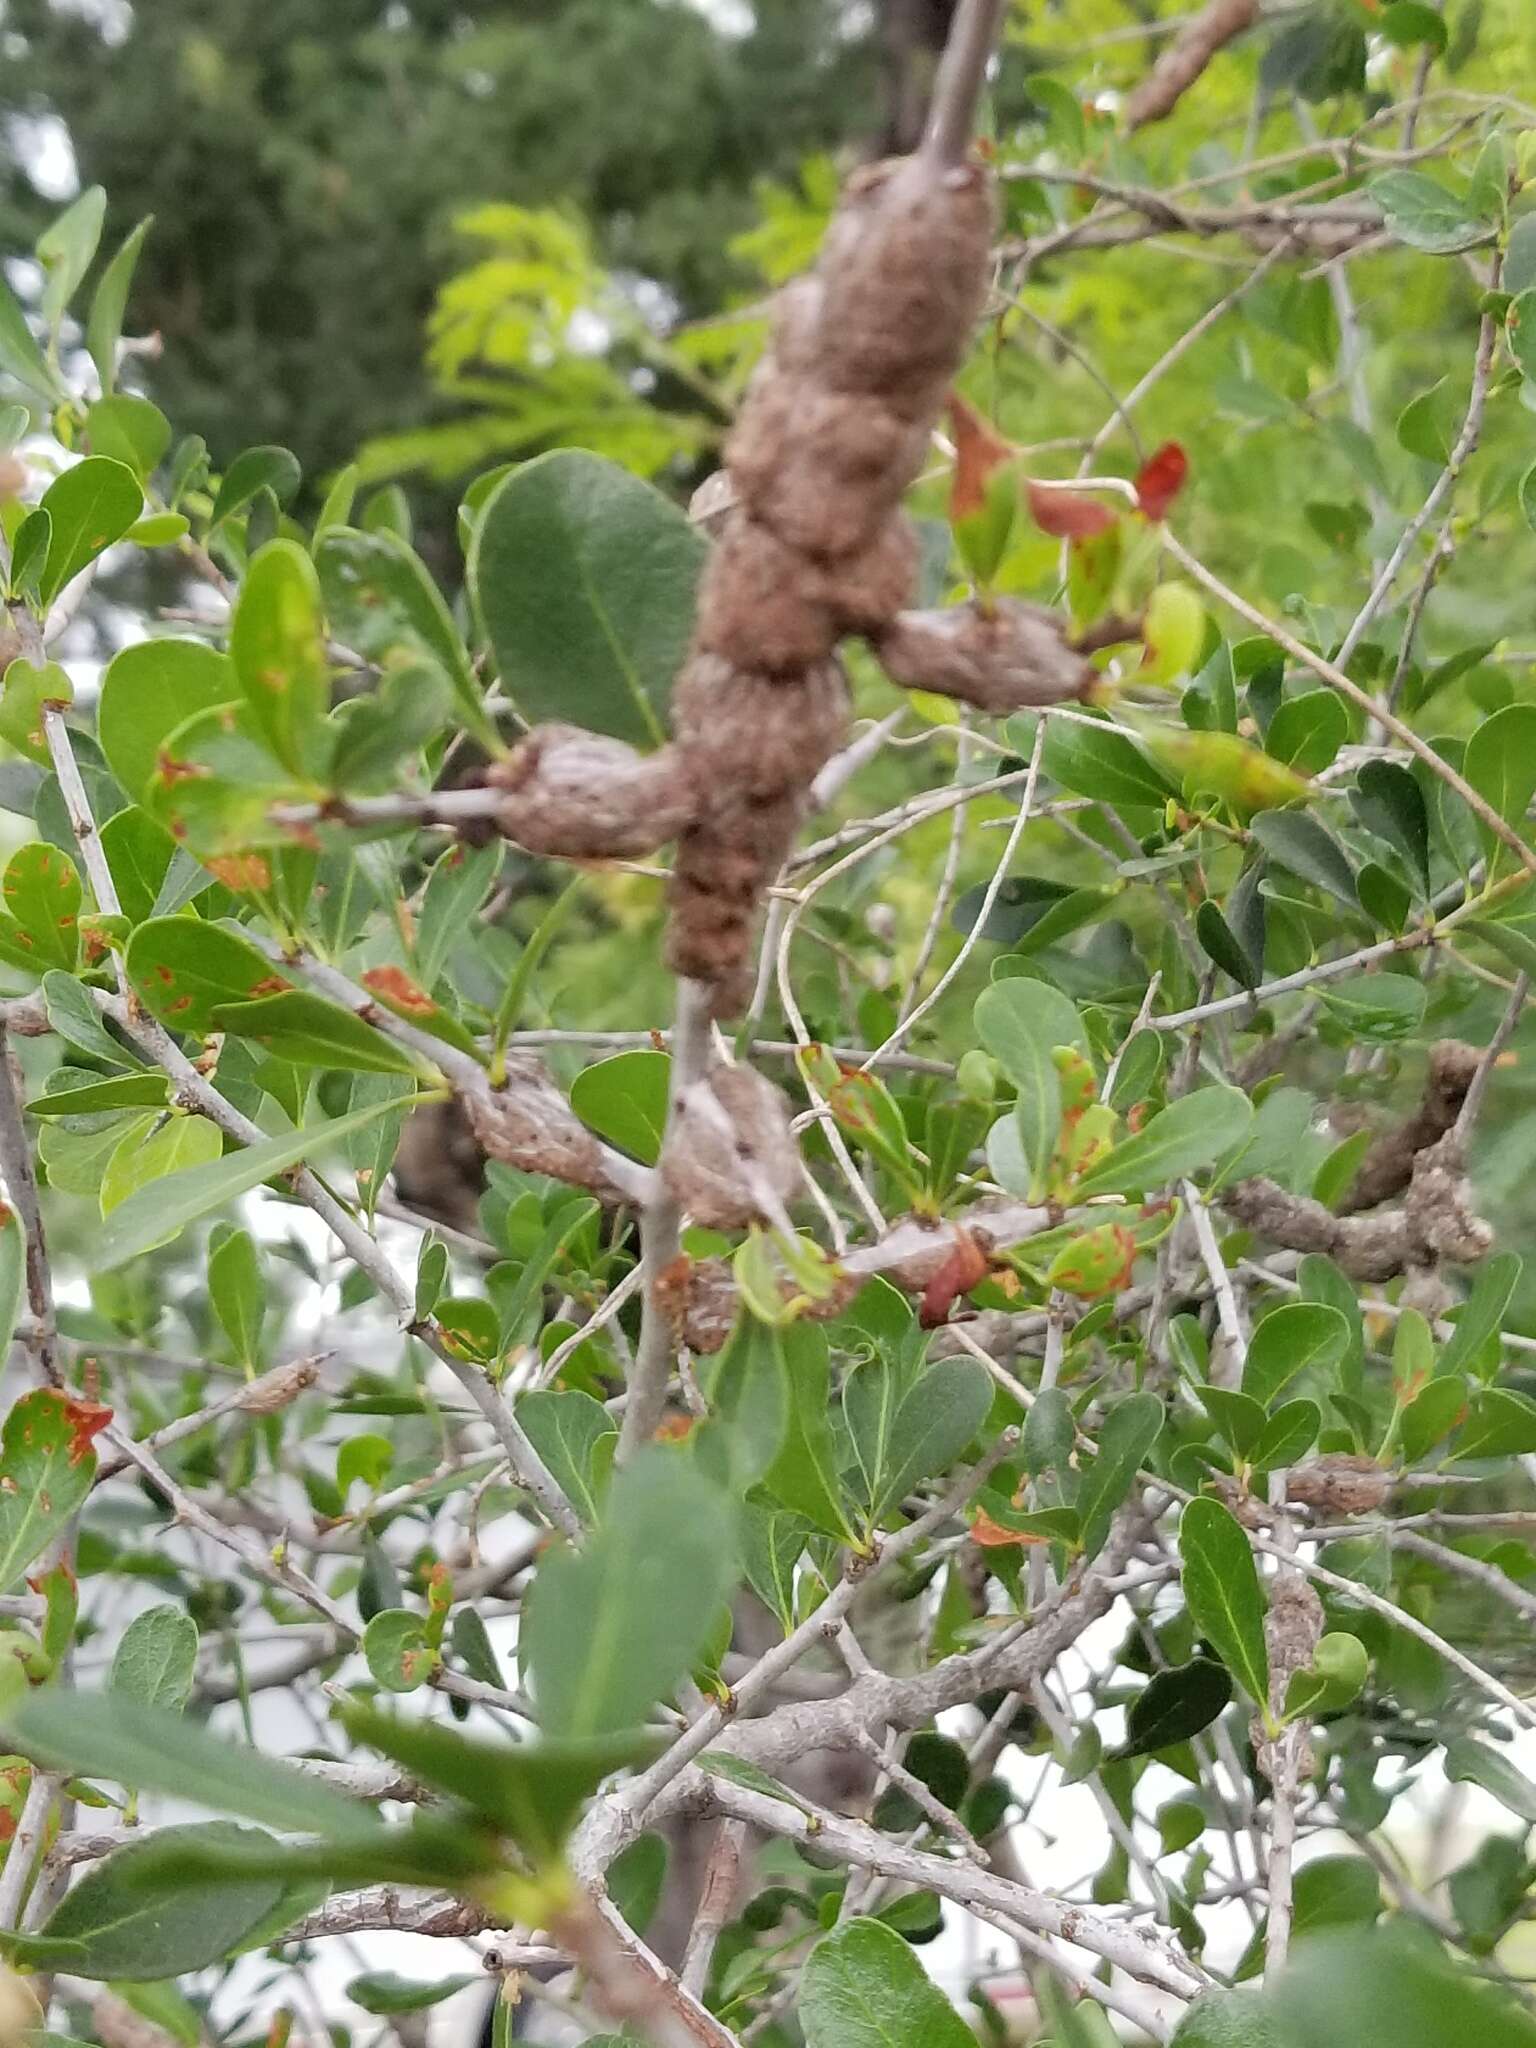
column 1008, row 656
column 582, row 796
column 731, row 1158
column 527, row 1123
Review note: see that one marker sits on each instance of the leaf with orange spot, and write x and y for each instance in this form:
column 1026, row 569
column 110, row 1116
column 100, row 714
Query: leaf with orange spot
column 43, row 895
column 47, row 1467
column 407, row 999
column 184, row 969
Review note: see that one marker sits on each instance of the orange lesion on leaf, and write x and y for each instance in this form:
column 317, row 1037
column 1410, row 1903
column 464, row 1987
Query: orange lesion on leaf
column 242, row 872
column 394, row 986
column 87, row 1419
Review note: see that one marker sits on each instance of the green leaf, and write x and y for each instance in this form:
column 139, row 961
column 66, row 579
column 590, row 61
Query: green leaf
column 1381, row 1989
column 1222, row 1593
column 1104, row 762
column 1219, row 941
column 255, row 470
column 1288, row 1435
column 91, row 506
column 1407, row 22
column 747, row 1387
column 1424, row 215
column 20, row 354
column 1130, row 1430
column 863, row 1987
column 1239, row 1419
column 73, row 1015
column 904, row 1428
column 1307, row 732
column 65, row 249
column 1500, row 1424
column 1175, row 1706
column 42, row 893
column 131, row 431
column 185, row 971
column 277, row 643
column 27, row 690
column 381, row 1992
column 1179, row 1140
column 1430, row 1417
column 310, row 1031
column 576, row 1437
column 604, row 1634
column 1309, row 850
column 109, row 303
column 584, row 578
column 1049, row 1433
column 180, row 1143
column 29, row 554
column 237, row 1294
column 1500, row 764
column 624, row 1099
column 103, row 1735
column 1390, row 803
column 156, row 1659
column 1335, row 1677
column 773, row 1542
column 1227, row 2019
column 1482, row 1313
column 47, row 1465
column 155, row 1214
column 1020, row 1033
column 377, row 582
column 804, row 1476
column 397, row 1652
column 1299, row 1336
column 1468, row 1762
column 13, row 1270
column 116, row 1923
column 148, row 691
column 532, row 1791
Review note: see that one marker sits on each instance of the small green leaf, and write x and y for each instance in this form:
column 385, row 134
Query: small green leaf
column 1335, row 1677
column 1482, row 1313
column 1500, row 764
column 576, row 1437
column 1179, row 1140
column 380, row 597
column 1222, row 1592
column 1500, row 1424
column 1468, row 1762
column 1105, row 762
column 256, row 470
column 109, row 303
column 131, row 431
column 804, row 1476
column 1307, row 732
column 65, row 249
column 1390, row 803
column 91, row 506
column 1288, row 1435
column 904, row 1428
column 382, row 1993
column 1019, row 1033
column 1175, row 1706
column 306, row 1029
column 1309, row 850
column 186, row 970
column 237, row 1294
column 20, row 354
column 148, row 691
column 156, row 1659
column 277, row 643
column 1424, row 215
column 180, row 1143
column 1130, row 1430
column 1297, row 1337
column 624, row 1099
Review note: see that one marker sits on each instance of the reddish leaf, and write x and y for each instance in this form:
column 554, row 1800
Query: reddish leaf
column 1068, row 515
column 1161, row 479
column 979, row 451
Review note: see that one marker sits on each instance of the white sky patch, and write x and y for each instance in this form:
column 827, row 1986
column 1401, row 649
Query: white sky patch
column 41, row 142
